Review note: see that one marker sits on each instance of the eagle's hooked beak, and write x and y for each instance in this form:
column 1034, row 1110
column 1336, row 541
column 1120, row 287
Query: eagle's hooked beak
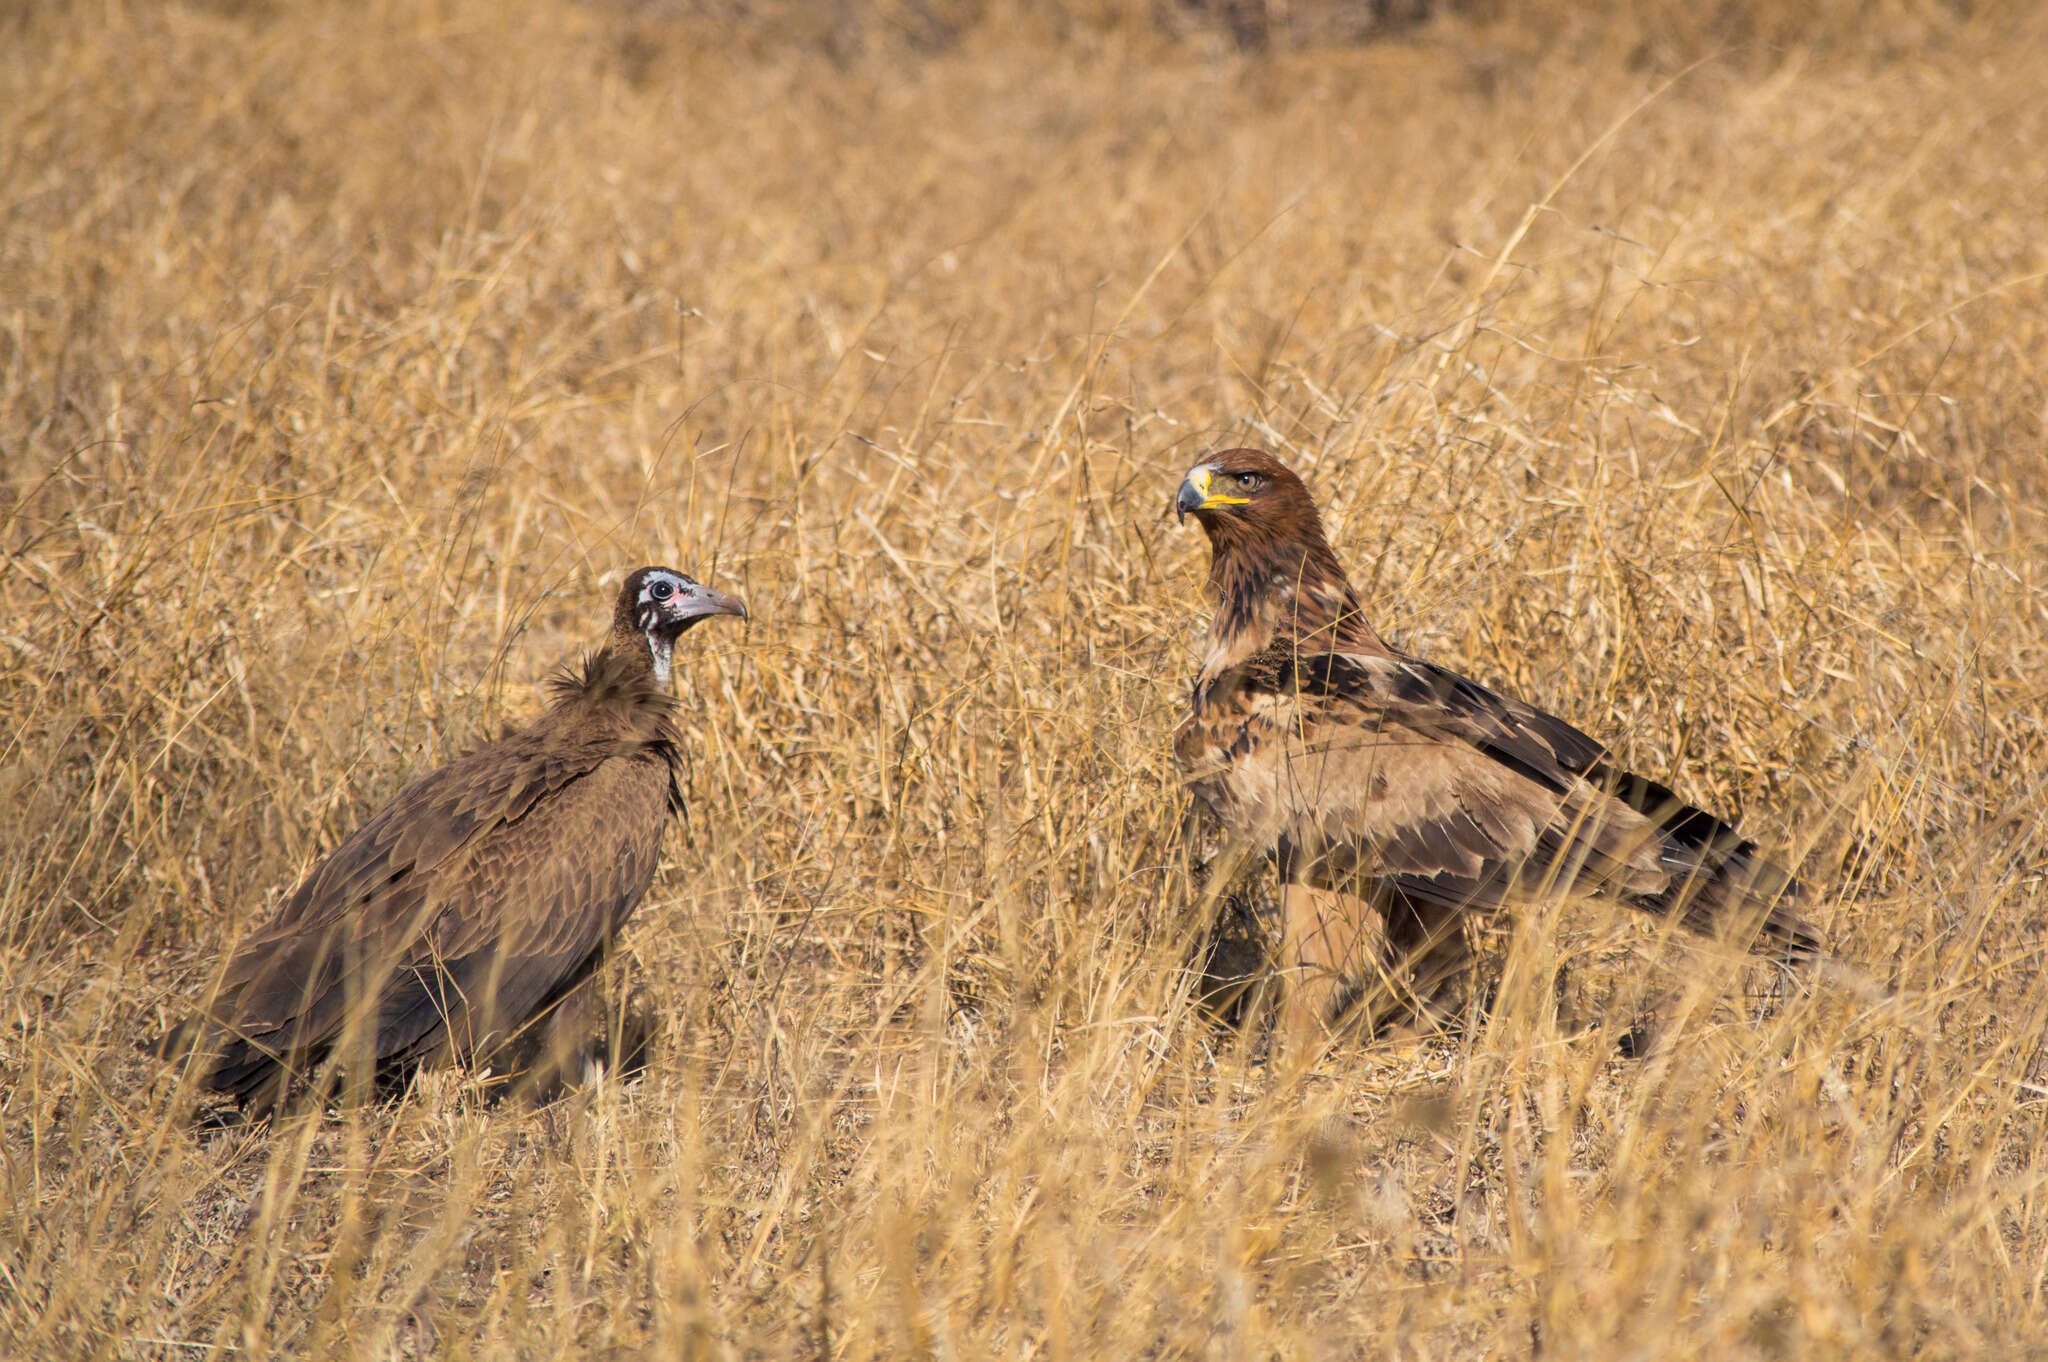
column 1196, row 496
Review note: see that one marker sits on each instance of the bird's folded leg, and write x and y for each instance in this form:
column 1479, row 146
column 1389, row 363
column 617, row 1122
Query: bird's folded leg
column 1429, row 963
column 599, row 1026
column 1329, row 942
column 1367, row 961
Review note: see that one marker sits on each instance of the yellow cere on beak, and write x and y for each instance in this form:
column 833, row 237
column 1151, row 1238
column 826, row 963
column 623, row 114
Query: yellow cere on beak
column 1201, row 478
column 1196, row 495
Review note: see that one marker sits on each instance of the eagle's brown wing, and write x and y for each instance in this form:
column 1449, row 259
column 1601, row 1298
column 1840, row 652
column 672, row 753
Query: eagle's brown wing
column 1380, row 767
column 478, row 895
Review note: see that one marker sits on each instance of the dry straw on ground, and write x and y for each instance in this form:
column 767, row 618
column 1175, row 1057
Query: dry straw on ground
column 1687, row 379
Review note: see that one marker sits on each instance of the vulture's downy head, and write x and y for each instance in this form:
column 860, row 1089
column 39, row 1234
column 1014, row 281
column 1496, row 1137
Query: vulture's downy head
column 657, row 605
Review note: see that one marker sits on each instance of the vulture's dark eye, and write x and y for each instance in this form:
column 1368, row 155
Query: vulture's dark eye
column 1247, row 480
column 662, row 590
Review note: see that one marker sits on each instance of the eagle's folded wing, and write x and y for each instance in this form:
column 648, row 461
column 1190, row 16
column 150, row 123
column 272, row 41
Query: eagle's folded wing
column 1380, row 766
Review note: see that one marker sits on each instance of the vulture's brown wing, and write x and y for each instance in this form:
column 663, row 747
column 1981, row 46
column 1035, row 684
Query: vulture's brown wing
column 493, row 880
column 1389, row 767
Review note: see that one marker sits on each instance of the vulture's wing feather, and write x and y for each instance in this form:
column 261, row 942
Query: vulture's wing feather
column 432, row 818
column 467, row 888
column 533, row 911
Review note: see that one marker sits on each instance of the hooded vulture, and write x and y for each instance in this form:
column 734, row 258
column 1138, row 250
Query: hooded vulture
column 1396, row 796
column 464, row 921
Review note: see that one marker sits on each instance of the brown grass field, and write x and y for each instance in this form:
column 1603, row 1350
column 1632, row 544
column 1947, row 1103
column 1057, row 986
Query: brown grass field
column 1685, row 375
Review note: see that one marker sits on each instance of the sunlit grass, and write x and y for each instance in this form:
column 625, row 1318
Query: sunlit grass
column 346, row 358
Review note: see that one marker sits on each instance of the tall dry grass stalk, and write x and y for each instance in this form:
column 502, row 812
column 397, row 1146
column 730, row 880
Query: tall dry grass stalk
column 345, row 351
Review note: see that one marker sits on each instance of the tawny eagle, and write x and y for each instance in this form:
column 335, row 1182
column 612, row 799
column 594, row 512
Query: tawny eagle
column 1396, row 796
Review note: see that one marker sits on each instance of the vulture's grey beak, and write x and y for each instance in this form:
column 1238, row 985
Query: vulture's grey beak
column 703, row 601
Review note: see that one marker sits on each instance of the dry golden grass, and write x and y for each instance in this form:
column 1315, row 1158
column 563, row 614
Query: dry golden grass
column 345, row 353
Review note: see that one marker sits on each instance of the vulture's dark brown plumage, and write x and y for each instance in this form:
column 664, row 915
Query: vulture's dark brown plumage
column 472, row 909
column 1397, row 796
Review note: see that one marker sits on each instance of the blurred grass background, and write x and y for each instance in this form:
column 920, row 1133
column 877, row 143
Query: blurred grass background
column 1681, row 368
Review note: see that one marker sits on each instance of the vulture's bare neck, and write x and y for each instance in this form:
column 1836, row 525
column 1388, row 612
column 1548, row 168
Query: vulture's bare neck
column 1280, row 586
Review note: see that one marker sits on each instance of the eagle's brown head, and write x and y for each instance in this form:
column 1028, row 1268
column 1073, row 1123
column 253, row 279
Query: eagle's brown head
column 1240, row 495
column 659, row 605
